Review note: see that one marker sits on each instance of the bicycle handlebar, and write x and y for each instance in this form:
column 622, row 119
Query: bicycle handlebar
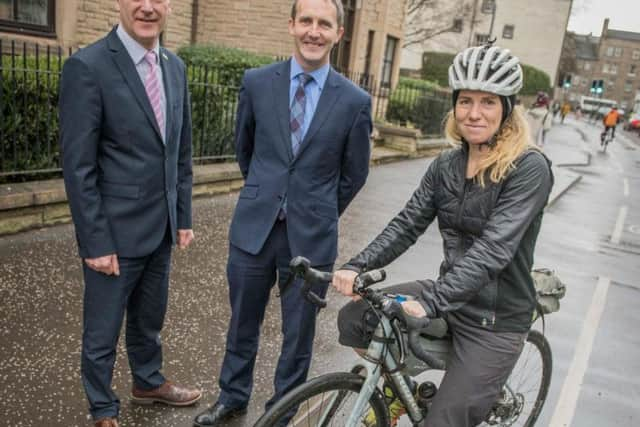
column 301, row 267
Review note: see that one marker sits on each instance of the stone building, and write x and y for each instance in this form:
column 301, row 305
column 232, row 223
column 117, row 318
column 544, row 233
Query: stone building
column 614, row 57
column 532, row 30
column 373, row 28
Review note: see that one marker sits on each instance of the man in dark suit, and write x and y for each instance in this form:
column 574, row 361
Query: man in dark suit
column 126, row 149
column 302, row 142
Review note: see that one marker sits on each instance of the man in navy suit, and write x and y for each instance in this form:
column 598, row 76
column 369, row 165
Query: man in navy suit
column 126, row 150
column 302, row 142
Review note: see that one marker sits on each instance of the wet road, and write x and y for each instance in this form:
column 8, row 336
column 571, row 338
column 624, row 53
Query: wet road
column 583, row 238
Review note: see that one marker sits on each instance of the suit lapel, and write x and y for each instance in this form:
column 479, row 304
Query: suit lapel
column 328, row 97
column 169, row 84
column 281, row 82
column 131, row 76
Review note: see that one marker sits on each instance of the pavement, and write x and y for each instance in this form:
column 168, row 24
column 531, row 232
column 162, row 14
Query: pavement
column 41, row 303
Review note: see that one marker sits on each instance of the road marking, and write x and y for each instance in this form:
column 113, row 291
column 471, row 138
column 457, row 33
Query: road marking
column 566, row 406
column 617, row 231
column 626, row 187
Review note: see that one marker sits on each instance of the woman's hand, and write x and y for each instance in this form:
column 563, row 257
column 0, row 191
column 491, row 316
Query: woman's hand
column 414, row 308
column 343, row 282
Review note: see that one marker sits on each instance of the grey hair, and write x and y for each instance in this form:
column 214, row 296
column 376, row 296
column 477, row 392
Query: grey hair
column 336, row 3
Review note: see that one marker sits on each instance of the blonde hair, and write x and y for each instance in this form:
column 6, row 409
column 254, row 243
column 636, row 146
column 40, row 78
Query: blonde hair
column 512, row 140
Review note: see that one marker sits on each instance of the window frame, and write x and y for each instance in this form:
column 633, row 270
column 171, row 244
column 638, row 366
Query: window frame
column 458, row 25
column 487, row 6
column 341, row 53
column 14, row 26
column 505, row 33
column 388, row 63
column 485, row 39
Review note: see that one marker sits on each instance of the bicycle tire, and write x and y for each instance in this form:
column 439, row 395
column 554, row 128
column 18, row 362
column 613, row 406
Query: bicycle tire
column 536, row 347
column 340, row 382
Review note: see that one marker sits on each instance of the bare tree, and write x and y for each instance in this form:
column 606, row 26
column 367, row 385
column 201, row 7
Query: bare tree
column 427, row 19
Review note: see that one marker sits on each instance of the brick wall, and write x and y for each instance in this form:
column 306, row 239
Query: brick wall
column 258, row 26
column 96, row 17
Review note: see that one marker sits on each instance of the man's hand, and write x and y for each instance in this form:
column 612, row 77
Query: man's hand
column 343, row 282
column 107, row 264
column 185, row 237
column 413, row 308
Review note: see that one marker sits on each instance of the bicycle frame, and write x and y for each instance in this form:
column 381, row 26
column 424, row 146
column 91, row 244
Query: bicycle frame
column 378, row 351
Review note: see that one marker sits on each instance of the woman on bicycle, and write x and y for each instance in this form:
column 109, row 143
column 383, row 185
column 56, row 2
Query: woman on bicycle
column 488, row 195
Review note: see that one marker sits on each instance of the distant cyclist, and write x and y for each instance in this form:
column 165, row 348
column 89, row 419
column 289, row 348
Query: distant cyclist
column 610, row 121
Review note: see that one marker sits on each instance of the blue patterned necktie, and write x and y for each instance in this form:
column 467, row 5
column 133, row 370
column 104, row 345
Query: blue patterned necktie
column 296, row 123
column 297, row 111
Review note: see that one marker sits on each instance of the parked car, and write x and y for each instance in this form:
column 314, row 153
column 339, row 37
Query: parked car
column 633, row 124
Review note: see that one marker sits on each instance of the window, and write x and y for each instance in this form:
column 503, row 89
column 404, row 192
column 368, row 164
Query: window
column 635, row 54
column 605, row 68
column 488, row 6
column 387, row 61
column 632, row 69
column 610, row 51
column 341, row 54
column 507, row 31
column 613, row 69
column 587, row 66
column 618, row 52
column 366, row 79
column 627, row 86
column 457, row 25
column 481, row 39
column 28, row 16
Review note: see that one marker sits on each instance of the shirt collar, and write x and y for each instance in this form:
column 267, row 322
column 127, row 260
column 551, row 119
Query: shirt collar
column 136, row 50
column 319, row 74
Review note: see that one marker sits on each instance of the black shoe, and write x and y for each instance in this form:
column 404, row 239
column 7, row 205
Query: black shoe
column 217, row 415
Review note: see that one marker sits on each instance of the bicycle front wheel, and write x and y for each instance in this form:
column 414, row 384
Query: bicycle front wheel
column 325, row 401
column 526, row 389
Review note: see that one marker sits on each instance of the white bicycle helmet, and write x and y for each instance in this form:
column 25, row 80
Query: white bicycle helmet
column 487, row 68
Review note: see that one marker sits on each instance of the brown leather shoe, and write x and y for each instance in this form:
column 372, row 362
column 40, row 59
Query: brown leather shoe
column 168, row 393
column 107, row 422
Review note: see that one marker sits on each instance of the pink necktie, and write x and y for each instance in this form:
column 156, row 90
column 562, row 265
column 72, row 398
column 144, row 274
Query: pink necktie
column 152, row 86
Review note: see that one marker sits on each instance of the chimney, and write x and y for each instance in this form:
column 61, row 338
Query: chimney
column 605, row 27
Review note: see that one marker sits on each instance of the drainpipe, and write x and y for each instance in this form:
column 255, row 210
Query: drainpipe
column 195, row 8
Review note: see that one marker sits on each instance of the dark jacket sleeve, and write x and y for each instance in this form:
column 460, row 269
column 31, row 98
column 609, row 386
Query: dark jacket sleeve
column 185, row 171
column 403, row 230
column 523, row 197
column 355, row 159
column 245, row 128
column 80, row 108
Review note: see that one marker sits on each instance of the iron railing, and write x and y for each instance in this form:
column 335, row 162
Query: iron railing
column 29, row 78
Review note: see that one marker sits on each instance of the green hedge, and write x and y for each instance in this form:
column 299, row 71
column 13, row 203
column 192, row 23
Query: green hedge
column 420, row 103
column 29, row 131
column 535, row 80
column 29, row 127
column 214, row 75
column 435, row 67
column 229, row 64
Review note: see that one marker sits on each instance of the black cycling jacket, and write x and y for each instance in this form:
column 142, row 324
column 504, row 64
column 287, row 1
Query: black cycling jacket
column 489, row 235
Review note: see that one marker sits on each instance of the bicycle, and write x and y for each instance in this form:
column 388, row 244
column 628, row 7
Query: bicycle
column 347, row 398
column 605, row 138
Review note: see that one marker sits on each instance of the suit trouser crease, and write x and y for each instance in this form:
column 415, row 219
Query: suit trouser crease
column 141, row 291
column 251, row 278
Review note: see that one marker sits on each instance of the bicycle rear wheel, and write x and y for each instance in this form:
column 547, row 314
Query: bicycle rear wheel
column 324, row 401
column 526, row 389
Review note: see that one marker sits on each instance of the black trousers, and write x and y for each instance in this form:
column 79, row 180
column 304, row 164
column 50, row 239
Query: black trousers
column 479, row 364
column 141, row 292
column 251, row 278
